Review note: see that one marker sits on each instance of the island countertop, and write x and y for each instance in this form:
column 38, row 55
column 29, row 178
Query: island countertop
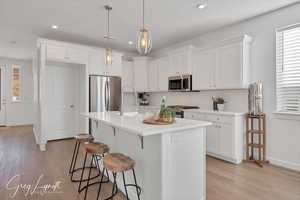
column 133, row 123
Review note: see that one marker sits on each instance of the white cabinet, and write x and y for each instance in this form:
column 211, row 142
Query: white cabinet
column 140, row 66
column 225, row 66
column 229, row 66
column 65, row 53
column 212, row 139
column 152, row 76
column 97, row 64
column 163, row 66
column 180, row 60
column 224, row 139
column 127, row 76
column 203, row 69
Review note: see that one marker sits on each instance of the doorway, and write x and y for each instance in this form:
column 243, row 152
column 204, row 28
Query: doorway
column 2, row 97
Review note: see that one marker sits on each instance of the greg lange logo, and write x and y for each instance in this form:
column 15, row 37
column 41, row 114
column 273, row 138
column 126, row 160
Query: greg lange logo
column 31, row 189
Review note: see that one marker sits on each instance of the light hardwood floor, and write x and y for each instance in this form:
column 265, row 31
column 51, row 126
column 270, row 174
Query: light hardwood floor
column 19, row 155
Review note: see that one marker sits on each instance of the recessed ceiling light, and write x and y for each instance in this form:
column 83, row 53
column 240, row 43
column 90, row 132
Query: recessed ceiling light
column 54, row 27
column 201, row 5
column 130, row 42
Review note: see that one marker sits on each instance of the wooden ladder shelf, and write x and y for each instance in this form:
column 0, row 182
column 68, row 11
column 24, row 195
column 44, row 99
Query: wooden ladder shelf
column 256, row 139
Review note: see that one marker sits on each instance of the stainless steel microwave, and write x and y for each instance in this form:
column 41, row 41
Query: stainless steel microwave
column 181, row 83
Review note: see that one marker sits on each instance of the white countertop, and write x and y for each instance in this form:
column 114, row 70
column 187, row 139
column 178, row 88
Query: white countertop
column 133, row 123
column 215, row 112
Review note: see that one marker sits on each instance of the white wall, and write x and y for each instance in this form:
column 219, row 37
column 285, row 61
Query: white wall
column 283, row 136
column 20, row 113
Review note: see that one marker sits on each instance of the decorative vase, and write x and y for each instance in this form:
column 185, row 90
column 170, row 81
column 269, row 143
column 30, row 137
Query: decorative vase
column 221, row 107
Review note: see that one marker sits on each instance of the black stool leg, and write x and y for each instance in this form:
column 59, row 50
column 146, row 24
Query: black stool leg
column 76, row 155
column 88, row 180
column 115, row 187
column 125, row 186
column 71, row 166
column 137, row 188
column 99, row 189
column 82, row 172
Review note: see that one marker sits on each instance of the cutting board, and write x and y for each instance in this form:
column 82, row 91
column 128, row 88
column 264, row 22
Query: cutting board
column 155, row 122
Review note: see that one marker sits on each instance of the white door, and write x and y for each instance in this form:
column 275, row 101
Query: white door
column 212, row 139
column 2, row 97
column 62, row 99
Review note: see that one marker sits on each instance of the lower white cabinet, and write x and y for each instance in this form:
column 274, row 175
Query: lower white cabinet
column 224, row 139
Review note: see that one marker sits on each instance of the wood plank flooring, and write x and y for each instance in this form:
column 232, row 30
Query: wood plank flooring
column 19, row 155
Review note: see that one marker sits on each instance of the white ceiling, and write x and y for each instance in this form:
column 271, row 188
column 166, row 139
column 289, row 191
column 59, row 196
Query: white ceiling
column 84, row 21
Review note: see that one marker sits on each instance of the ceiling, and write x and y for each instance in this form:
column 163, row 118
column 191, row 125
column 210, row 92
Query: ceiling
column 84, row 21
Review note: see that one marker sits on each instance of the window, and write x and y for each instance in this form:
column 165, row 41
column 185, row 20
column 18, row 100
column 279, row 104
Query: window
column 16, row 84
column 288, row 69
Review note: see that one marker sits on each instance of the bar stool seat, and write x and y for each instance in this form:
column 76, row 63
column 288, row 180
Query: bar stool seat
column 117, row 162
column 96, row 148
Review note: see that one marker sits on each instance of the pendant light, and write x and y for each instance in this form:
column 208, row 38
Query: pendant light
column 144, row 42
column 108, row 50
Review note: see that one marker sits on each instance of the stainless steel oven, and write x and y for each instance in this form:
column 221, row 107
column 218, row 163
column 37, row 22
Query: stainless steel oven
column 181, row 83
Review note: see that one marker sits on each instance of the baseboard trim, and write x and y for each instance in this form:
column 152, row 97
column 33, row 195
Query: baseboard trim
column 285, row 164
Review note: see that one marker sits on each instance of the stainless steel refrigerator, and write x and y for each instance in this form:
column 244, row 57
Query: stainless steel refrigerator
column 104, row 94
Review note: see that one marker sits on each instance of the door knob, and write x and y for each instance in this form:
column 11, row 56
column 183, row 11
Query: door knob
column 72, row 106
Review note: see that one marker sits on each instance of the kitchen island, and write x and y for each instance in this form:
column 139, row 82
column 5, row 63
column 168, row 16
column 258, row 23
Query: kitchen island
column 170, row 159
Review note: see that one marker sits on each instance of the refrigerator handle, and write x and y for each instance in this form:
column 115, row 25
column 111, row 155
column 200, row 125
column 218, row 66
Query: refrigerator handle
column 106, row 96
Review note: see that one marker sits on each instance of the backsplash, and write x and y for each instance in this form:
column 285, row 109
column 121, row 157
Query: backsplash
column 236, row 100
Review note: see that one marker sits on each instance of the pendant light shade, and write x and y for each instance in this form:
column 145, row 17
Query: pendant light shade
column 108, row 52
column 144, row 42
column 108, row 56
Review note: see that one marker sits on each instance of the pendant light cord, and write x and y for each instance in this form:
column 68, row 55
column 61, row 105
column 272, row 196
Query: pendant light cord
column 143, row 14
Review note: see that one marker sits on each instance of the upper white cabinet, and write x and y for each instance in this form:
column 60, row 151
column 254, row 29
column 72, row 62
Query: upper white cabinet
column 223, row 67
column 153, row 76
column 140, row 66
column 97, row 64
column 180, row 60
column 230, row 66
column 127, row 76
column 204, row 64
column 163, row 67
column 68, row 54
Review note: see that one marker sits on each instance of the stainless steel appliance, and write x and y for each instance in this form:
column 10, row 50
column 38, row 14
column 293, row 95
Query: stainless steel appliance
column 255, row 98
column 180, row 109
column 182, row 83
column 105, row 93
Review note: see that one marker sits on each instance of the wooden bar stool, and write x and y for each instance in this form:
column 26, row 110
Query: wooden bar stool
column 97, row 151
column 80, row 138
column 115, row 163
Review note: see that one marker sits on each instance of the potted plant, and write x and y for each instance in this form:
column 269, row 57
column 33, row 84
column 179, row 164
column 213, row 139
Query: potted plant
column 218, row 103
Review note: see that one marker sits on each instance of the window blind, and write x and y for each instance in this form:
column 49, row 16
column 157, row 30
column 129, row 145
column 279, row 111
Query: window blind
column 288, row 69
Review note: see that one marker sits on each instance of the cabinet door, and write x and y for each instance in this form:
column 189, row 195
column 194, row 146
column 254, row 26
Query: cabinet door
column 79, row 56
column 179, row 64
column 96, row 62
column 229, row 66
column 116, row 68
column 152, row 76
column 212, row 139
column 56, row 53
column 226, row 140
column 163, row 66
column 203, row 69
column 140, row 77
column 127, row 76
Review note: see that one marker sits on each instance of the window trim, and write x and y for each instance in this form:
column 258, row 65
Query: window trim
column 278, row 113
column 11, row 86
